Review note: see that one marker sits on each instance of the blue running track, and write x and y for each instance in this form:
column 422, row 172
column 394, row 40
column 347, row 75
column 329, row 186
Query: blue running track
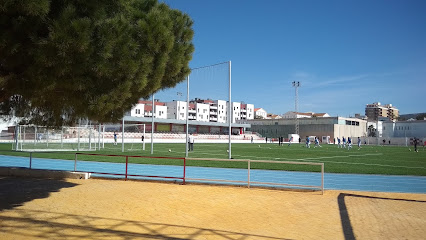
column 332, row 181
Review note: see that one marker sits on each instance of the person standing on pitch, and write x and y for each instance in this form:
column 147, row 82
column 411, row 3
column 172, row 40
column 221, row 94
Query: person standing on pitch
column 415, row 145
column 349, row 142
column 343, row 142
column 359, row 143
column 289, row 141
column 143, row 138
column 191, row 143
column 115, row 138
column 338, row 142
column 251, row 139
column 308, row 143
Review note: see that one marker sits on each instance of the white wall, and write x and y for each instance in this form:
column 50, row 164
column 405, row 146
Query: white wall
column 203, row 112
column 236, row 111
column 261, row 113
column 222, row 111
column 176, row 110
column 161, row 111
column 404, row 129
column 138, row 110
column 250, row 111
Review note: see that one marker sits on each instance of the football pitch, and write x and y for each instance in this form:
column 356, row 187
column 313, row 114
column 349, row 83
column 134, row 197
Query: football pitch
column 372, row 159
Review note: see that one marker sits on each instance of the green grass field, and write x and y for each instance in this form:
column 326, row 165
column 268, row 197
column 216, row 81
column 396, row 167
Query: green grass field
column 389, row 160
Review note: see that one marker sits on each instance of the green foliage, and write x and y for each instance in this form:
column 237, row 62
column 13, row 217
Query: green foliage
column 61, row 60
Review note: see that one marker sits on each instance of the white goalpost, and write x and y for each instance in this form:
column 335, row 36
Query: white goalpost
column 127, row 136
column 65, row 138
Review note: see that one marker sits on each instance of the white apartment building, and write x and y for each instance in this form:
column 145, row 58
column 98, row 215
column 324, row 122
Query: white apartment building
column 236, row 111
column 198, row 110
column 247, row 111
column 144, row 109
column 138, row 110
column 222, row 111
column 203, row 112
column 176, row 110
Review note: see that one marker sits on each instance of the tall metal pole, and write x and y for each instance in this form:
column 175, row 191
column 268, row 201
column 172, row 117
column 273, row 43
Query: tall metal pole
column 152, row 125
column 296, row 85
column 230, row 113
column 122, row 135
column 187, row 115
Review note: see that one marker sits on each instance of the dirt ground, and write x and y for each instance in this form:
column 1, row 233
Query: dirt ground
column 116, row 209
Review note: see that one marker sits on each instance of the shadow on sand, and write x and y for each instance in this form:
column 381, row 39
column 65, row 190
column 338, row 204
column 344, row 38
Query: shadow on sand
column 29, row 224
column 344, row 215
column 14, row 192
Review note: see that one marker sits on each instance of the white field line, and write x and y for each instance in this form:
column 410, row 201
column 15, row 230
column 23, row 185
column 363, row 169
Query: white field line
column 347, row 156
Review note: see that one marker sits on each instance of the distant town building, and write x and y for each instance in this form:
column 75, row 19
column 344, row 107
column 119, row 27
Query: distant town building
column 375, row 110
column 198, row 110
column 405, row 129
column 292, row 114
column 325, row 128
column 260, row 113
column 273, row 116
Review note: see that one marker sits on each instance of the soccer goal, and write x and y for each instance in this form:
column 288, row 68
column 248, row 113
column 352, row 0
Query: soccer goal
column 130, row 137
column 41, row 138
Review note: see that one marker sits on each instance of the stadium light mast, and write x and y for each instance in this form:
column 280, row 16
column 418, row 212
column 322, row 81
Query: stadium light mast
column 296, row 85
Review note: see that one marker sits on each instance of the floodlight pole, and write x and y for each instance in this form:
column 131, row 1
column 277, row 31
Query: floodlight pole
column 230, row 113
column 187, row 116
column 122, row 135
column 152, row 125
column 296, row 85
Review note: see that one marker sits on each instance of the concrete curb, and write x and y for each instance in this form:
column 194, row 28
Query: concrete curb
column 39, row 173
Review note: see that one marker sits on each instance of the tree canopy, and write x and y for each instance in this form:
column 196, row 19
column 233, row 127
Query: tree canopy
column 61, row 60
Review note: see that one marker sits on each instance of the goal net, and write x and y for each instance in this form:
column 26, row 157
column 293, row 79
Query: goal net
column 41, row 138
column 133, row 139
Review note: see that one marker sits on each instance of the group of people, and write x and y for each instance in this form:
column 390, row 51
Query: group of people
column 316, row 141
column 347, row 143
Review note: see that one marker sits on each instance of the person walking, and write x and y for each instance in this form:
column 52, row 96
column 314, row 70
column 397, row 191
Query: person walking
column 317, row 143
column 289, row 141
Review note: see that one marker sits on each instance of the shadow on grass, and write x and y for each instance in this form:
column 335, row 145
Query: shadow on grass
column 344, row 215
column 29, row 224
column 14, row 192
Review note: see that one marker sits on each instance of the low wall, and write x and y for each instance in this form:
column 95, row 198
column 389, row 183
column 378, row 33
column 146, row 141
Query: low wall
column 39, row 173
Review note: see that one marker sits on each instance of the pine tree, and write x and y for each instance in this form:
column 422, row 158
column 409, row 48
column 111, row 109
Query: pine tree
column 61, row 60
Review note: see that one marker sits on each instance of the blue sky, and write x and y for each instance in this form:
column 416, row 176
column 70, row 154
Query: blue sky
column 345, row 53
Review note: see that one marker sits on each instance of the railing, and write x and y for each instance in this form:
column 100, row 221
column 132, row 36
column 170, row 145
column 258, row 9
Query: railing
column 243, row 171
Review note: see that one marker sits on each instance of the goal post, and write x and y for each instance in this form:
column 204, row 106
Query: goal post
column 126, row 137
column 65, row 138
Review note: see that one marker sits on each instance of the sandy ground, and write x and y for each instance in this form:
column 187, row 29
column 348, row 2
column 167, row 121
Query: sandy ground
column 116, row 209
